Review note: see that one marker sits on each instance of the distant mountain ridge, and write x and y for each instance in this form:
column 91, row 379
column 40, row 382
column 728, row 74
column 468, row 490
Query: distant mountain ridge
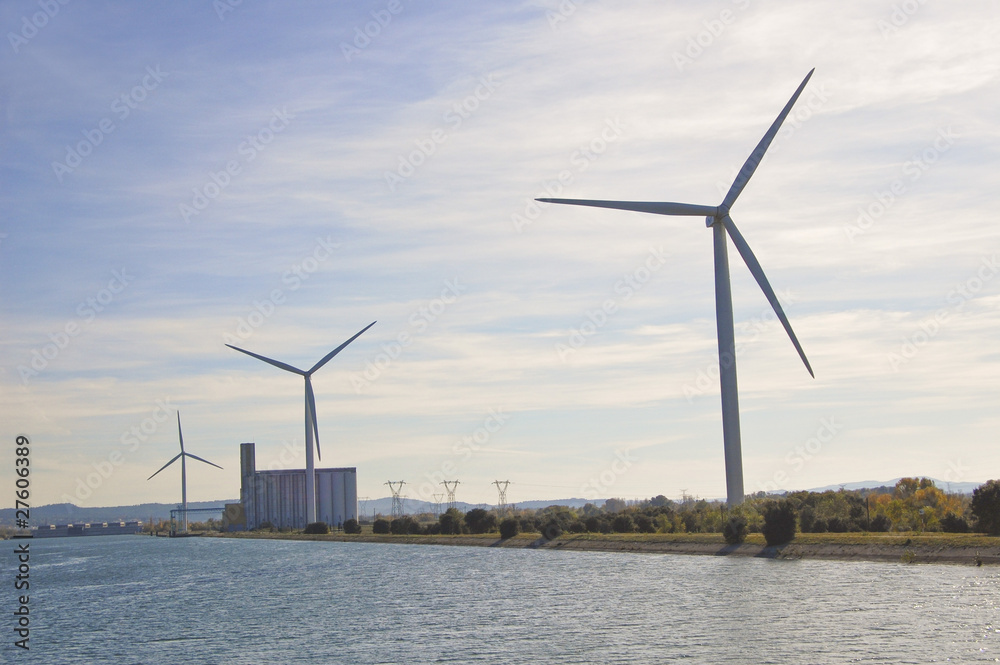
column 383, row 505
column 956, row 487
column 68, row 513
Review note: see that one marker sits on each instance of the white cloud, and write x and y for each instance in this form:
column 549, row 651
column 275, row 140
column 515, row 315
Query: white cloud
column 869, row 118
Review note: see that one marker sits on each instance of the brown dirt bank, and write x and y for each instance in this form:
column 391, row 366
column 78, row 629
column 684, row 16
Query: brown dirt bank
column 967, row 549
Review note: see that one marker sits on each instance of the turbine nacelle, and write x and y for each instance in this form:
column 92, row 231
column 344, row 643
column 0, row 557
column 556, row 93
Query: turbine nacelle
column 312, row 424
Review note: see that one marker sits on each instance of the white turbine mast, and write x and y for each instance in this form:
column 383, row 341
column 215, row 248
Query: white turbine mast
column 719, row 220
column 182, row 455
column 312, row 426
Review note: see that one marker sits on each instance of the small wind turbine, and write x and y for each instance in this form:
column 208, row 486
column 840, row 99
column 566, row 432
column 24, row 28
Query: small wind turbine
column 312, row 427
column 718, row 219
column 182, row 455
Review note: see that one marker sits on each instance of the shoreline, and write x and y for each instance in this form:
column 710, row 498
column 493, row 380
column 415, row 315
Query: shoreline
column 906, row 548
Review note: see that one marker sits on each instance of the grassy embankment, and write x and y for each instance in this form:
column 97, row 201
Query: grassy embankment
column 906, row 547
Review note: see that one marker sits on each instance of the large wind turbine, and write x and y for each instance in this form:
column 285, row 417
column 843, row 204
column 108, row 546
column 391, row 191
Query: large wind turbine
column 182, row 455
column 718, row 219
column 312, row 427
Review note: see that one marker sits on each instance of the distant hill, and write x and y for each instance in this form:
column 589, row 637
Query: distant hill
column 67, row 513
column 959, row 488
column 414, row 506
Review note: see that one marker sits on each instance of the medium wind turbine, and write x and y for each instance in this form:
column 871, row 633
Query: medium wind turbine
column 182, row 455
column 312, row 426
column 718, row 219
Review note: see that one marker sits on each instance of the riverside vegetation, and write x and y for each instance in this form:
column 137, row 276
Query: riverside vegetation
column 913, row 506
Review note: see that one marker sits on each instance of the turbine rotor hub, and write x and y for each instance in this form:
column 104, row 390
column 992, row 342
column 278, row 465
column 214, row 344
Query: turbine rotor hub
column 720, row 213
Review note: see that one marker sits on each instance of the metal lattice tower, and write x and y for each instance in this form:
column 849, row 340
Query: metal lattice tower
column 449, row 486
column 363, row 500
column 397, row 500
column 502, row 506
column 437, row 503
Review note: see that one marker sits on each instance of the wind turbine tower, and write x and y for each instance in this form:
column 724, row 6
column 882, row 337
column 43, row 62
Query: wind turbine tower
column 312, row 426
column 717, row 218
column 182, row 455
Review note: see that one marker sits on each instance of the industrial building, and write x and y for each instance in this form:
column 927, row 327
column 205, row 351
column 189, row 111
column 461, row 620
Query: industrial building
column 279, row 496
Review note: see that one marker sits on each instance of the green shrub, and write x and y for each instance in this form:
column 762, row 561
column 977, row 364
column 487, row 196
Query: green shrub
column 807, row 519
column 623, row 523
column 953, row 523
column 451, row 521
column 880, row 524
column 480, row 521
column 779, row 523
column 551, row 529
column 352, row 526
column 735, row 529
column 645, row 524
column 381, row 525
column 986, row 507
column 836, row 525
column 317, row 527
column 405, row 525
column 509, row 528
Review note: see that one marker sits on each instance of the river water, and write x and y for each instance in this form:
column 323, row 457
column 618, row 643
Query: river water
column 134, row 599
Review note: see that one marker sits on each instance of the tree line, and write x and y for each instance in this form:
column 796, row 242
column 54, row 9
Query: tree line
column 912, row 505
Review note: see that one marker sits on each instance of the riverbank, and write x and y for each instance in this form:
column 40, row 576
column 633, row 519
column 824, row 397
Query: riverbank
column 968, row 549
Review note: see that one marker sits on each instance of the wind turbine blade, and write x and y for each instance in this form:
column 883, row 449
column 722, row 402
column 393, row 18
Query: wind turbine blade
column 758, row 154
column 337, row 350
column 276, row 363
column 758, row 274
column 179, row 434
column 176, row 457
column 203, row 460
column 311, row 396
column 664, row 208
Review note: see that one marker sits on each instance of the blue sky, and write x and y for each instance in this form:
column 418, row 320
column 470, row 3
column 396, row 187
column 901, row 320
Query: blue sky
column 177, row 176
